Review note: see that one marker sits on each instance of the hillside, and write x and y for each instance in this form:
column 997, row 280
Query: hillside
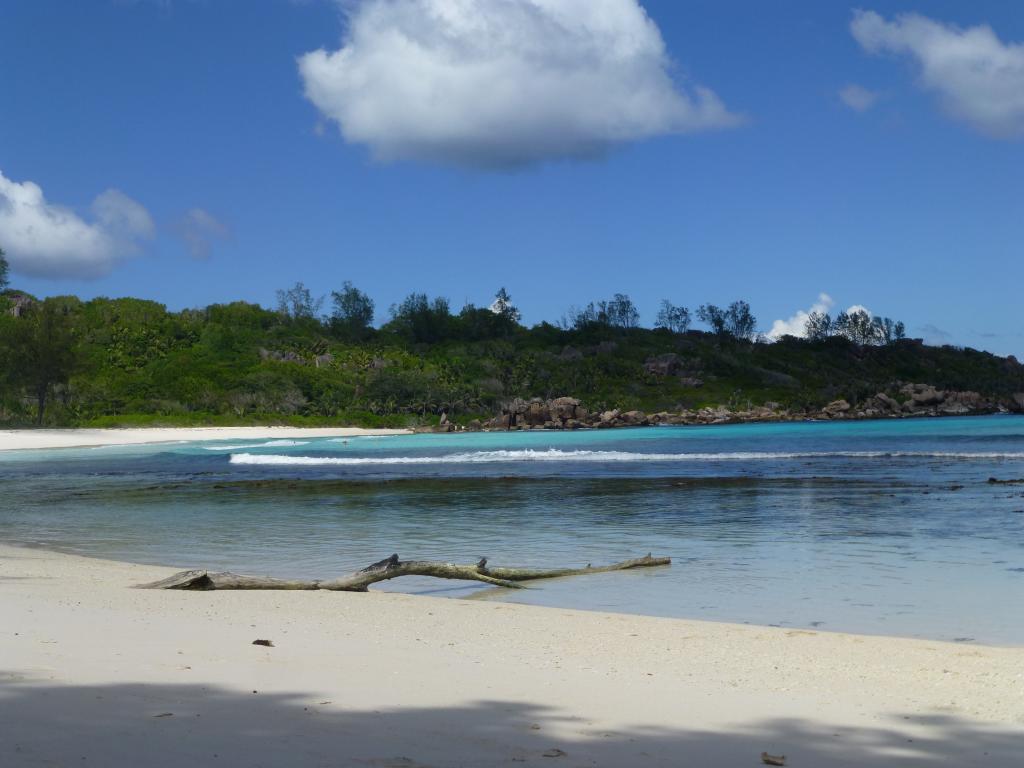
column 112, row 362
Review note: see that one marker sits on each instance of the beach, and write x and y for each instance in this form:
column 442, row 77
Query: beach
column 26, row 439
column 746, row 490
column 97, row 673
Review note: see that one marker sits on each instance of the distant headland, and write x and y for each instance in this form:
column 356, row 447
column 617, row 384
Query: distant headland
column 131, row 362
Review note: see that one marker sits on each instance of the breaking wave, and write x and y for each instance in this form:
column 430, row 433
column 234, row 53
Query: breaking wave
column 269, row 444
column 491, row 457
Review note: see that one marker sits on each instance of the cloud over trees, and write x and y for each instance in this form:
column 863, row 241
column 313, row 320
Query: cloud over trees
column 44, row 239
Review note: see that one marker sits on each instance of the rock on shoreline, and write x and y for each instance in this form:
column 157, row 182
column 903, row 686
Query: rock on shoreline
column 913, row 401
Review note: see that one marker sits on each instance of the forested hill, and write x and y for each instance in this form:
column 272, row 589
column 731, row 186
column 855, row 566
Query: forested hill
column 130, row 361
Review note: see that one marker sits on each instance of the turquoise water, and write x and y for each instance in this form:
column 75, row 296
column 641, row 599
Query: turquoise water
column 880, row 527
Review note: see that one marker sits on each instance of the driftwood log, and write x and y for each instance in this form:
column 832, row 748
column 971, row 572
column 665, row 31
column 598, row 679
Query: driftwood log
column 392, row 568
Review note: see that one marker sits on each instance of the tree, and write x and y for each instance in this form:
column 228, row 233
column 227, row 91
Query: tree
column 818, row 326
column 675, row 319
column 498, row 320
column 619, row 312
column 887, row 330
column 581, row 318
column 352, row 315
column 502, row 306
column 43, row 350
column 740, row 321
column 736, row 321
column 298, row 303
column 857, row 326
column 420, row 320
column 479, row 323
column 5, row 270
column 841, row 326
column 714, row 317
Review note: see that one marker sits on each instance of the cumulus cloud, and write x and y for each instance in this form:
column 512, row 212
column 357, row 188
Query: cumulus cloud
column 979, row 78
column 857, row 97
column 797, row 324
column 43, row 239
column 860, row 309
column 502, row 83
column 200, row 229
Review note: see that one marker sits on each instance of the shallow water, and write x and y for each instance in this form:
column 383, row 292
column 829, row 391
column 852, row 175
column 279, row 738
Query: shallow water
column 881, row 527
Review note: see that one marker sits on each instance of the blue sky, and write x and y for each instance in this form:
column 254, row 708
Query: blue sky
column 232, row 181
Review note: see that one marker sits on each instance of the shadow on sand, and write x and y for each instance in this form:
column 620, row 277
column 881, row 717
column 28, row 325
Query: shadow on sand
column 160, row 726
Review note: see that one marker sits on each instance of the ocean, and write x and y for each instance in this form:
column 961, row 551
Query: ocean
column 880, row 527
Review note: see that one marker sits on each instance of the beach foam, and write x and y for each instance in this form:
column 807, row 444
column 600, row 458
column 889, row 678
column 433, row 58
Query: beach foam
column 270, row 444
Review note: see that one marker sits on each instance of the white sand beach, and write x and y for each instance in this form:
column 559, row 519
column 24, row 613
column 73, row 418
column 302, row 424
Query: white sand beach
column 96, row 673
column 20, row 439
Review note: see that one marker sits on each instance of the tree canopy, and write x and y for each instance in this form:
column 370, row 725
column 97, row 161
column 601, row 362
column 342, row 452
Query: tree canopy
column 857, row 325
column 352, row 312
column 673, row 318
column 131, row 361
column 736, row 321
column 41, row 350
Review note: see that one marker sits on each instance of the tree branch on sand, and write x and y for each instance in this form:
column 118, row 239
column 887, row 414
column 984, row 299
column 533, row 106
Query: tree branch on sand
column 392, row 568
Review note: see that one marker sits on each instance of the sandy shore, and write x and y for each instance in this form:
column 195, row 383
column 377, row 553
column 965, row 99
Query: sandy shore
column 94, row 673
column 19, row 439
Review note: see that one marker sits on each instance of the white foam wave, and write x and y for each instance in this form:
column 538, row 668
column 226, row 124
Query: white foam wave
column 135, row 445
column 269, row 444
column 490, row 457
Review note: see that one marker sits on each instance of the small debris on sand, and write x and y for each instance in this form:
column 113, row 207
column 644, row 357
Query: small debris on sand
column 554, row 753
column 266, row 643
column 773, row 759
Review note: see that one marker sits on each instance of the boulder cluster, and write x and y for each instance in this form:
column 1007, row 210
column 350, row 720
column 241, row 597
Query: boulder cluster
column 560, row 413
column 926, row 400
column 923, row 400
column 914, row 400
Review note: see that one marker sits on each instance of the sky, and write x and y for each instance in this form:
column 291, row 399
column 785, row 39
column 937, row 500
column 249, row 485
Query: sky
column 794, row 154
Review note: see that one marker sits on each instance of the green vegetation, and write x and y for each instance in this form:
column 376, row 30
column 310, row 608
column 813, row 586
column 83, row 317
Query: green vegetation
column 857, row 326
column 109, row 362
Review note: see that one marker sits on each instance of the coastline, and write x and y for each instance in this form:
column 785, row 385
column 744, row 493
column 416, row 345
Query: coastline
column 922, row 400
column 74, row 437
column 95, row 670
column 36, row 439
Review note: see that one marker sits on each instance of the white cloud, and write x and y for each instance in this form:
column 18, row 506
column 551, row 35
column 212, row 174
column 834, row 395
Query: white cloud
column 43, row 239
column 502, row 83
column 857, row 97
column 199, row 229
column 797, row 324
column 859, row 308
column 979, row 78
